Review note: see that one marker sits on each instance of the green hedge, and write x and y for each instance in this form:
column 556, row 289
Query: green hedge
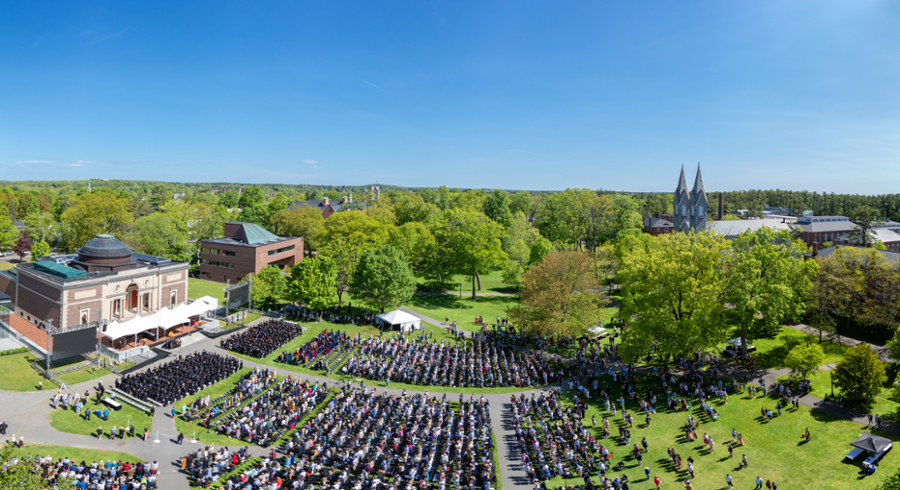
column 13, row 351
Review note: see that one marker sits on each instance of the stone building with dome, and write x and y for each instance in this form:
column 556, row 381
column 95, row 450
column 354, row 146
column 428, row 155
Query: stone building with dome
column 104, row 280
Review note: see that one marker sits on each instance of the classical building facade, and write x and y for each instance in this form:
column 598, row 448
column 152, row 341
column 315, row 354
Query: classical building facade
column 104, row 280
column 690, row 207
column 246, row 248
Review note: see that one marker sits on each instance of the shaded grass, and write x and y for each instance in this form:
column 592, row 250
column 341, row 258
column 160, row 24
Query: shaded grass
column 882, row 405
column 76, row 453
column 244, row 466
column 771, row 351
column 68, row 421
column 774, row 449
column 490, row 283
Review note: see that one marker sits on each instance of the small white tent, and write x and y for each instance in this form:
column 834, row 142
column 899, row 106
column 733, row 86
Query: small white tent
column 400, row 319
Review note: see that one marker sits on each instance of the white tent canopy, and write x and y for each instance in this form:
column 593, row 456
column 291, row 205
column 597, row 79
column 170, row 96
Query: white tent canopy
column 401, row 319
column 163, row 318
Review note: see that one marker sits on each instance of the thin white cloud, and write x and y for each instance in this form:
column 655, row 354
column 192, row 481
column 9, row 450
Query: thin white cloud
column 372, row 84
column 30, row 162
column 311, row 162
column 75, row 165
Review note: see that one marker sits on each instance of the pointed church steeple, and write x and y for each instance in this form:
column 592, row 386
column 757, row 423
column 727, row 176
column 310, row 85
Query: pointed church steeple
column 681, row 204
column 699, row 203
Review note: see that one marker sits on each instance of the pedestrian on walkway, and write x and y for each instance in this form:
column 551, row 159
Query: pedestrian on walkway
column 870, row 418
column 180, row 438
column 112, row 433
column 99, row 432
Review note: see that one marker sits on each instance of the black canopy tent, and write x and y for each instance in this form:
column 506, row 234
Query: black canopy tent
column 871, row 443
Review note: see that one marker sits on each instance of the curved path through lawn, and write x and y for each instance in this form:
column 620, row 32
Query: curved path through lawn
column 27, row 415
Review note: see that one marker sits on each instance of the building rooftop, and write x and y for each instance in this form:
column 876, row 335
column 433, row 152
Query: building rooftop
column 824, row 226
column 733, row 228
column 247, row 235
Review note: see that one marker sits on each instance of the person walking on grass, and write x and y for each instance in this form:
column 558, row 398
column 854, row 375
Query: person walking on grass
column 728, row 481
column 647, row 471
column 759, row 483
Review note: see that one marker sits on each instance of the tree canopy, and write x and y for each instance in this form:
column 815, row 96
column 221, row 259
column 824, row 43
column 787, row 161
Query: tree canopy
column 313, row 281
column 383, row 278
column 560, row 295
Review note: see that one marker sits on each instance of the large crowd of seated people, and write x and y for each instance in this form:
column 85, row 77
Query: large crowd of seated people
column 481, row 363
column 179, row 378
column 102, row 475
column 206, row 465
column 367, row 441
column 276, row 411
column 325, row 350
column 262, row 339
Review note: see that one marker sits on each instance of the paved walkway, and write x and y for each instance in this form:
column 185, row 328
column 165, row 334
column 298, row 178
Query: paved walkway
column 882, row 351
column 27, row 416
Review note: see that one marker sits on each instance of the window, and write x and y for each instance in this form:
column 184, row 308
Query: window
column 217, row 263
column 174, row 298
column 227, row 253
column 281, row 250
column 683, row 210
column 85, row 315
column 701, row 210
column 147, row 302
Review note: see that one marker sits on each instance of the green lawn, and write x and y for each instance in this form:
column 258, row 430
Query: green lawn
column 774, row 449
column 314, row 329
column 18, row 374
column 4, row 265
column 68, row 421
column 202, row 433
column 490, row 283
column 462, row 310
column 821, row 386
column 198, row 288
column 76, row 453
column 770, row 352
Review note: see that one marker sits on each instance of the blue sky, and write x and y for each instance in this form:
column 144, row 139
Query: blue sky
column 515, row 95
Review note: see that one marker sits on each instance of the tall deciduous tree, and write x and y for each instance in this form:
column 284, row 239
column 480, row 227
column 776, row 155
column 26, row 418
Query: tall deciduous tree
column 767, row 281
column 268, row 287
column 560, row 295
column 313, row 281
column 158, row 235
column 414, row 240
column 93, row 213
column 40, row 224
column 8, row 231
column 866, row 219
column 860, row 375
column 38, row 250
column 345, row 237
column 473, row 242
column 805, row 359
column 303, row 221
column 496, row 207
column 22, row 246
column 383, row 278
column 252, row 196
column 832, row 289
column 673, row 288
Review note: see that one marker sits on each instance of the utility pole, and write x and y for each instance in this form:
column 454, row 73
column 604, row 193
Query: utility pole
column 49, row 348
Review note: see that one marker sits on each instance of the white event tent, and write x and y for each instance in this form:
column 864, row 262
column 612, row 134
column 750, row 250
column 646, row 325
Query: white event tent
column 400, row 319
column 163, row 318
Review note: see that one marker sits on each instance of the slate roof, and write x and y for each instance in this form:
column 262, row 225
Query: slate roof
column 660, row 223
column 828, row 252
column 825, row 226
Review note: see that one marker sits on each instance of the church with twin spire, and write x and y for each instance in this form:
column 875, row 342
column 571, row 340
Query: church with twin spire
column 690, row 207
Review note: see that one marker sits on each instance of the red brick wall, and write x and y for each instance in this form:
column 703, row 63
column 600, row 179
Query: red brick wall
column 248, row 260
column 73, row 316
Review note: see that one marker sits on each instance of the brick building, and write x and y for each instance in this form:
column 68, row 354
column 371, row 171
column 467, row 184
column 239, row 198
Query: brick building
column 327, row 207
column 246, row 248
column 889, row 237
column 821, row 229
column 658, row 226
column 104, row 280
